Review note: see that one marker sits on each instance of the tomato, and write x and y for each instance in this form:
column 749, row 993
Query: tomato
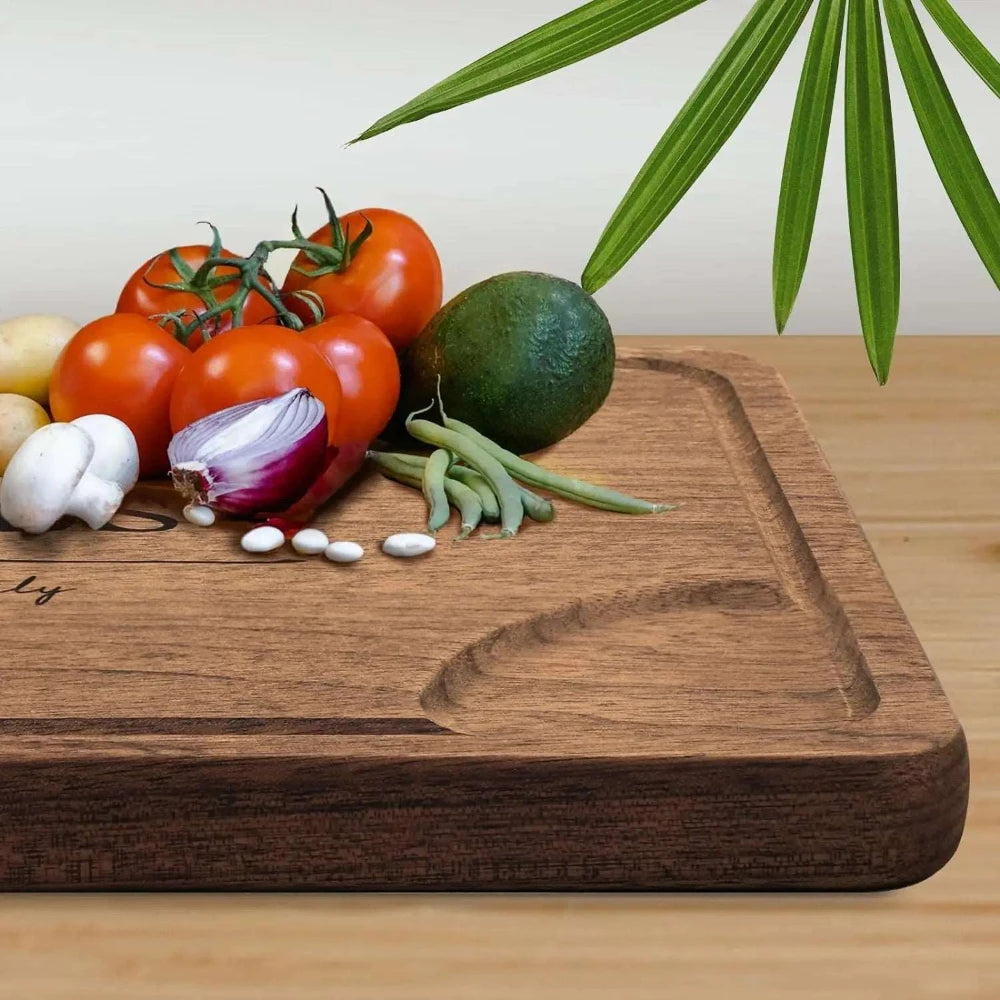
column 141, row 296
column 125, row 366
column 394, row 279
column 248, row 363
column 365, row 363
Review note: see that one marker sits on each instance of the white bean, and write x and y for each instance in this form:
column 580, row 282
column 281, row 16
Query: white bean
column 408, row 544
column 310, row 542
column 199, row 514
column 344, row 552
column 263, row 539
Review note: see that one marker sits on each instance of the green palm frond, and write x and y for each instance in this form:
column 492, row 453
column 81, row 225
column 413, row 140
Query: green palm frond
column 805, row 156
column 583, row 32
column 726, row 93
column 871, row 183
column 947, row 141
column 971, row 48
column 699, row 131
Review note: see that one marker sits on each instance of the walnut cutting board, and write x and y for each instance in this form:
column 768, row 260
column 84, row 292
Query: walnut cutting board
column 725, row 696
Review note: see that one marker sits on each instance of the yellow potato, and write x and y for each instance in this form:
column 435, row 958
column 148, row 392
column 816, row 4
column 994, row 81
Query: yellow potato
column 29, row 346
column 20, row 417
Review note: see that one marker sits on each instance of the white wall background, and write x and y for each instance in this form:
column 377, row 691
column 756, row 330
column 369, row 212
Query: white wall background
column 126, row 121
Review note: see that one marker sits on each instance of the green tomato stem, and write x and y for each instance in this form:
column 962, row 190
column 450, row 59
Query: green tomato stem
column 327, row 259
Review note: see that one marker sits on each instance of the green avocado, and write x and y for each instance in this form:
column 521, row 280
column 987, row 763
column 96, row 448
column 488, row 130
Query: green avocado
column 525, row 358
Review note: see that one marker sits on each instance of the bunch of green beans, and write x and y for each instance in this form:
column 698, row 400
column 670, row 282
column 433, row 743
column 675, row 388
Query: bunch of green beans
column 475, row 475
column 436, row 478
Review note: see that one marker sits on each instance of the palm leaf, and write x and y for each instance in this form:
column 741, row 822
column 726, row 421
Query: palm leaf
column 971, row 48
column 721, row 101
column 871, row 184
column 947, row 141
column 699, row 131
column 583, row 32
column 804, row 158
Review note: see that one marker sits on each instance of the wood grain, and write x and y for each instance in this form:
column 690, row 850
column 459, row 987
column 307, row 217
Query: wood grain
column 725, row 697
column 920, row 462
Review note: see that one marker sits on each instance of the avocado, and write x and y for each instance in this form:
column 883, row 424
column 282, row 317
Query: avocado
column 525, row 358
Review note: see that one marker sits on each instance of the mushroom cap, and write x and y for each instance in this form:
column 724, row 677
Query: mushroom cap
column 116, row 454
column 42, row 475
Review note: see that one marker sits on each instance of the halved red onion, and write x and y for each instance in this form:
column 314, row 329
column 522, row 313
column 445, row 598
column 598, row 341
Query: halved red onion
column 259, row 456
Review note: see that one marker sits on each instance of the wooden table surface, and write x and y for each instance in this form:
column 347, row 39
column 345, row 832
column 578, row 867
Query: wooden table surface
column 920, row 461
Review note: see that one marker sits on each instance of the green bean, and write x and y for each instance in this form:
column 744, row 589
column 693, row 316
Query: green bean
column 472, row 479
column 469, row 451
column 470, row 507
column 417, row 462
column 398, row 467
column 432, row 485
column 536, row 507
column 407, row 469
column 535, row 475
column 469, row 477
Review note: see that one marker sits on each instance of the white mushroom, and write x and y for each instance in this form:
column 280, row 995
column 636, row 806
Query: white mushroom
column 116, row 454
column 48, row 478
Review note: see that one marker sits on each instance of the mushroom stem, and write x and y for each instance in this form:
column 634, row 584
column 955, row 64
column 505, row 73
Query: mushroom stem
column 94, row 500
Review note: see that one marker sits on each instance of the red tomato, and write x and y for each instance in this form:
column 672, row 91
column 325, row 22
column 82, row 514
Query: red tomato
column 394, row 280
column 248, row 363
column 141, row 296
column 365, row 363
column 125, row 366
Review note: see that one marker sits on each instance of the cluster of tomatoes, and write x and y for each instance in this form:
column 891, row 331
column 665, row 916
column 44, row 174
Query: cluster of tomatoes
column 129, row 366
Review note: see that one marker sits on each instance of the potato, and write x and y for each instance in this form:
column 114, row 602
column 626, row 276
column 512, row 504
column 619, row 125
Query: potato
column 29, row 346
column 20, row 417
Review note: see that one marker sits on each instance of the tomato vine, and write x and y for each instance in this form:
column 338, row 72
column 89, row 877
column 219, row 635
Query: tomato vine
column 252, row 277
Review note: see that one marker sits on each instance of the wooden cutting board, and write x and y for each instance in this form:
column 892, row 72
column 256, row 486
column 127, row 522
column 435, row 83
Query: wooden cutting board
column 723, row 697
